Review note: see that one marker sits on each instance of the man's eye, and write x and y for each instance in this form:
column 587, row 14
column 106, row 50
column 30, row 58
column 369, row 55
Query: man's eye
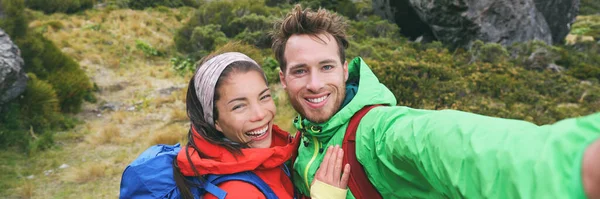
column 298, row 72
column 328, row 67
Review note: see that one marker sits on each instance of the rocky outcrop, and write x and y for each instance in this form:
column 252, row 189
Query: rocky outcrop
column 460, row 22
column 12, row 74
column 559, row 15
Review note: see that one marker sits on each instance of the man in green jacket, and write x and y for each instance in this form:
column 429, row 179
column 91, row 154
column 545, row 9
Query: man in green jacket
column 413, row 153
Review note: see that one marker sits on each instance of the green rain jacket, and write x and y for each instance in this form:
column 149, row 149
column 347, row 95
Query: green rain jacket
column 413, row 153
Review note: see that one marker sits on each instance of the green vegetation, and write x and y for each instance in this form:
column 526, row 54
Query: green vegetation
column 530, row 81
column 143, row 4
column 57, row 85
column 589, row 7
column 65, row 6
column 135, row 55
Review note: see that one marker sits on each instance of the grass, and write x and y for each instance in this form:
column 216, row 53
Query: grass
column 98, row 150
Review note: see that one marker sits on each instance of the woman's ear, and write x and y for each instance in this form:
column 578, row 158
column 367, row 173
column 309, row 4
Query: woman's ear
column 218, row 127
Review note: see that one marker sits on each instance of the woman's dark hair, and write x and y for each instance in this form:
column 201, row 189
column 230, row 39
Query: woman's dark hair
column 195, row 112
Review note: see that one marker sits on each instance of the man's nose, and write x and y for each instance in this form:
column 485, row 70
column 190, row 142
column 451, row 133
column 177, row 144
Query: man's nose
column 315, row 82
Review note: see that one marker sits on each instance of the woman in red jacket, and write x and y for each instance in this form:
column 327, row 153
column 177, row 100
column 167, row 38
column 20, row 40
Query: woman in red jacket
column 231, row 112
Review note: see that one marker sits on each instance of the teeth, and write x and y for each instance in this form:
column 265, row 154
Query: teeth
column 317, row 100
column 258, row 132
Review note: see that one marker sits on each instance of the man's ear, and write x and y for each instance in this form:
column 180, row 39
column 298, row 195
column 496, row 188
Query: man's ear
column 218, row 127
column 282, row 79
column 346, row 71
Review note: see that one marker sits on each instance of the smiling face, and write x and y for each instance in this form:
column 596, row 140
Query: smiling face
column 246, row 109
column 315, row 77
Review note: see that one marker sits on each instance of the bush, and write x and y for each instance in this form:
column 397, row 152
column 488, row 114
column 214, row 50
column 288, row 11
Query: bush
column 35, row 112
column 232, row 18
column 147, row 49
column 589, row 7
column 142, row 4
column 57, row 84
column 344, row 7
column 204, row 39
column 15, row 23
column 65, row 6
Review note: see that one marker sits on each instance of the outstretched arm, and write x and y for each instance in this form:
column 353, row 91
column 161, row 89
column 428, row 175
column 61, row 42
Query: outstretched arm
column 457, row 154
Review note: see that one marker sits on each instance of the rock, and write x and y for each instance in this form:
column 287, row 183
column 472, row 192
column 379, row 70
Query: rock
column 111, row 106
column 48, row 172
column 13, row 79
column 63, row 166
column 167, row 91
column 30, row 177
column 458, row 23
column 555, row 68
column 540, row 59
column 402, row 13
column 559, row 15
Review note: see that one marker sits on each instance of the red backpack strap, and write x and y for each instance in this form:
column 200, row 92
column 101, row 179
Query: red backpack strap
column 295, row 139
column 359, row 183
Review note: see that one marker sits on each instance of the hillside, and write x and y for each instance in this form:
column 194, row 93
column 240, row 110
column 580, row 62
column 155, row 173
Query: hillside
column 133, row 58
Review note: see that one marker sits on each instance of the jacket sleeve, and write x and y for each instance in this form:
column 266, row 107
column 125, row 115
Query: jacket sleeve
column 456, row 154
column 238, row 190
column 321, row 190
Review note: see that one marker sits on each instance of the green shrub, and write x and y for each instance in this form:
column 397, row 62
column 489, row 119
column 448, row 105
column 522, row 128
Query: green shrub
column 57, row 84
column 344, row 7
column 373, row 27
column 204, row 39
column 65, row 6
column 231, row 17
column 35, row 112
column 142, row 4
column 182, row 65
column 15, row 21
column 147, row 49
column 39, row 105
column 589, row 7
column 489, row 52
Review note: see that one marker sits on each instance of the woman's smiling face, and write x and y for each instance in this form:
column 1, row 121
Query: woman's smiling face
column 245, row 109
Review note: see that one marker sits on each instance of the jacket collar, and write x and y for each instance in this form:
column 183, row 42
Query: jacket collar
column 222, row 161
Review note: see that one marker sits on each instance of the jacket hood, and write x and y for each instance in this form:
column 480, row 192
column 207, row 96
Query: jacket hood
column 368, row 94
column 221, row 161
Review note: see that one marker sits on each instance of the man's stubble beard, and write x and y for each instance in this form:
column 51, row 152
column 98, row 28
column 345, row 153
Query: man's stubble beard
column 337, row 105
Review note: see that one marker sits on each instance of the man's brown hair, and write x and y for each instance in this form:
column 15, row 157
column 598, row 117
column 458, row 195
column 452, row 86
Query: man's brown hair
column 306, row 21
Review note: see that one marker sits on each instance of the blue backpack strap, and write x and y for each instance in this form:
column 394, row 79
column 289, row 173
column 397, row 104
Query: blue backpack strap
column 213, row 180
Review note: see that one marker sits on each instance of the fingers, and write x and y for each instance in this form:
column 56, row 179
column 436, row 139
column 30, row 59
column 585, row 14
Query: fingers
column 324, row 168
column 345, row 177
column 332, row 160
column 338, row 163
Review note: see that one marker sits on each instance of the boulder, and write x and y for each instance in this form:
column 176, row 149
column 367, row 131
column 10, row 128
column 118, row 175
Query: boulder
column 458, row 23
column 13, row 79
column 559, row 15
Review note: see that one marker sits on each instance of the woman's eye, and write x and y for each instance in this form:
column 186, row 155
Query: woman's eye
column 237, row 107
column 265, row 97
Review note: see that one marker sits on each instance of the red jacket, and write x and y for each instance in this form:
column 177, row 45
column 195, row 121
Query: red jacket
column 265, row 163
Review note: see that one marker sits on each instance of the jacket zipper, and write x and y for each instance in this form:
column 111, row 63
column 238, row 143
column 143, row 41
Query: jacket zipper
column 315, row 154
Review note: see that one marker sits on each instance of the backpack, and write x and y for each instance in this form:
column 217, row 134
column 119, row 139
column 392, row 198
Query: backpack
column 358, row 183
column 150, row 175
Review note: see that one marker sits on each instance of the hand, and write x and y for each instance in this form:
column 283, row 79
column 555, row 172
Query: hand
column 331, row 168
